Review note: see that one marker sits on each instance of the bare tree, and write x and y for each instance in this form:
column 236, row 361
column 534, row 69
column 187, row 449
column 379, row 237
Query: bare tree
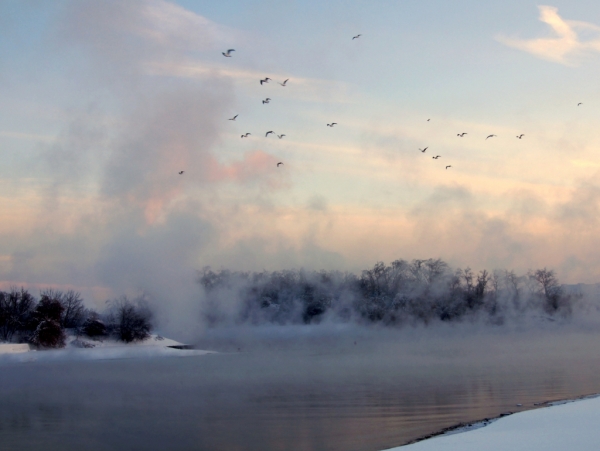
column 15, row 310
column 74, row 313
column 131, row 320
column 550, row 290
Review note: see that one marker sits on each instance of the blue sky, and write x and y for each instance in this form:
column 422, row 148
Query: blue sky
column 105, row 102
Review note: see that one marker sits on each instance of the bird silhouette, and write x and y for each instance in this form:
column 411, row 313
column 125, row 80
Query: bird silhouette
column 423, row 150
column 448, row 166
column 284, row 83
column 490, row 136
column 462, row 134
column 267, row 100
column 267, row 134
column 520, row 136
column 332, row 124
column 579, row 104
column 428, row 120
column 266, row 80
column 228, row 53
column 279, row 163
column 181, row 172
column 246, row 135
column 357, row 36
column 280, row 136
column 233, row 118
column 436, row 157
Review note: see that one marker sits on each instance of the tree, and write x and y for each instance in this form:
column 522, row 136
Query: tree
column 15, row 311
column 73, row 310
column 131, row 321
column 550, row 290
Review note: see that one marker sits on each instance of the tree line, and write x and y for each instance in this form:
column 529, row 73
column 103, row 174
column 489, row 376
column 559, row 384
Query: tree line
column 419, row 291
column 44, row 322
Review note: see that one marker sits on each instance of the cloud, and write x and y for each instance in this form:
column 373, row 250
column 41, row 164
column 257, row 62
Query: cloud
column 120, row 38
column 566, row 46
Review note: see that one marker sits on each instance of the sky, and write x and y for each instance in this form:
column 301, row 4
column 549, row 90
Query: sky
column 104, row 102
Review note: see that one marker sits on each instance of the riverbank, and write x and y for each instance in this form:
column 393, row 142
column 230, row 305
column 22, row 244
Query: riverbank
column 87, row 349
column 560, row 426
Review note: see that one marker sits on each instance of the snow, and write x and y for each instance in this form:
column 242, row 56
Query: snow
column 79, row 348
column 562, row 426
column 13, row 348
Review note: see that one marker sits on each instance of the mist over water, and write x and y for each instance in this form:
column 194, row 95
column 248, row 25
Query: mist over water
column 316, row 387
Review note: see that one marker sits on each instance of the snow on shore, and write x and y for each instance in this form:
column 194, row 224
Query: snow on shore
column 79, row 348
column 13, row 348
column 562, row 426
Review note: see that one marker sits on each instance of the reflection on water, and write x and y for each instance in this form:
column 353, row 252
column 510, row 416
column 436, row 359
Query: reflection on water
column 322, row 394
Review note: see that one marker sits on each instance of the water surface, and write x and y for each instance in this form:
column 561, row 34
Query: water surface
column 319, row 392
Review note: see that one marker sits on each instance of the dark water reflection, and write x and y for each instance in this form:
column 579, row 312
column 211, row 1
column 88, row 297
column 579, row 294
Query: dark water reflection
column 325, row 394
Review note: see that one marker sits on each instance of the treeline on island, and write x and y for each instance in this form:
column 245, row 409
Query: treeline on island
column 420, row 291
column 44, row 323
column 416, row 292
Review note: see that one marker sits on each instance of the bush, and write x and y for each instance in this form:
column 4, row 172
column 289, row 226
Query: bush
column 94, row 328
column 49, row 334
column 46, row 318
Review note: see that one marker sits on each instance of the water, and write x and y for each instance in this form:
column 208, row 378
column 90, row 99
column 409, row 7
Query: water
column 318, row 393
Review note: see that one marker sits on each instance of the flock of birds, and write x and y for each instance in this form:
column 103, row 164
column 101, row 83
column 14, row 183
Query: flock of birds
column 227, row 54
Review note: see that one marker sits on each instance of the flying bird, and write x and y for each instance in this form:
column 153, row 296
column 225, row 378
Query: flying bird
column 462, row 134
column 246, row 135
column 436, row 157
column 579, row 104
column 267, row 100
column 233, row 118
column 283, row 84
column 448, row 166
column 266, row 80
column 267, row 134
column 428, row 120
column 181, row 172
column 228, row 53
column 332, row 124
column 279, row 163
column 280, row 136
column 423, row 150
column 490, row 136
column 520, row 136
column 357, row 36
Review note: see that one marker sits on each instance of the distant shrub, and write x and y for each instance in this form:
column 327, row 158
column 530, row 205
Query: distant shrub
column 45, row 322
column 48, row 334
column 94, row 328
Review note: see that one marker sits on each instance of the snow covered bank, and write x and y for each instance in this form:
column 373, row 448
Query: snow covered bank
column 79, row 348
column 13, row 348
column 562, row 426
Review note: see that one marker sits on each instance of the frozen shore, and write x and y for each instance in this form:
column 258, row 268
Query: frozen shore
column 79, row 348
column 561, row 426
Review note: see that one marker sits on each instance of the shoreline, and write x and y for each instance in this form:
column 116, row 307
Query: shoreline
column 479, row 424
column 80, row 348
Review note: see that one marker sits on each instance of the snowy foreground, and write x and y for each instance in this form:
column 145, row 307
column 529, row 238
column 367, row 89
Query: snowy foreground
column 86, row 349
column 560, row 427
